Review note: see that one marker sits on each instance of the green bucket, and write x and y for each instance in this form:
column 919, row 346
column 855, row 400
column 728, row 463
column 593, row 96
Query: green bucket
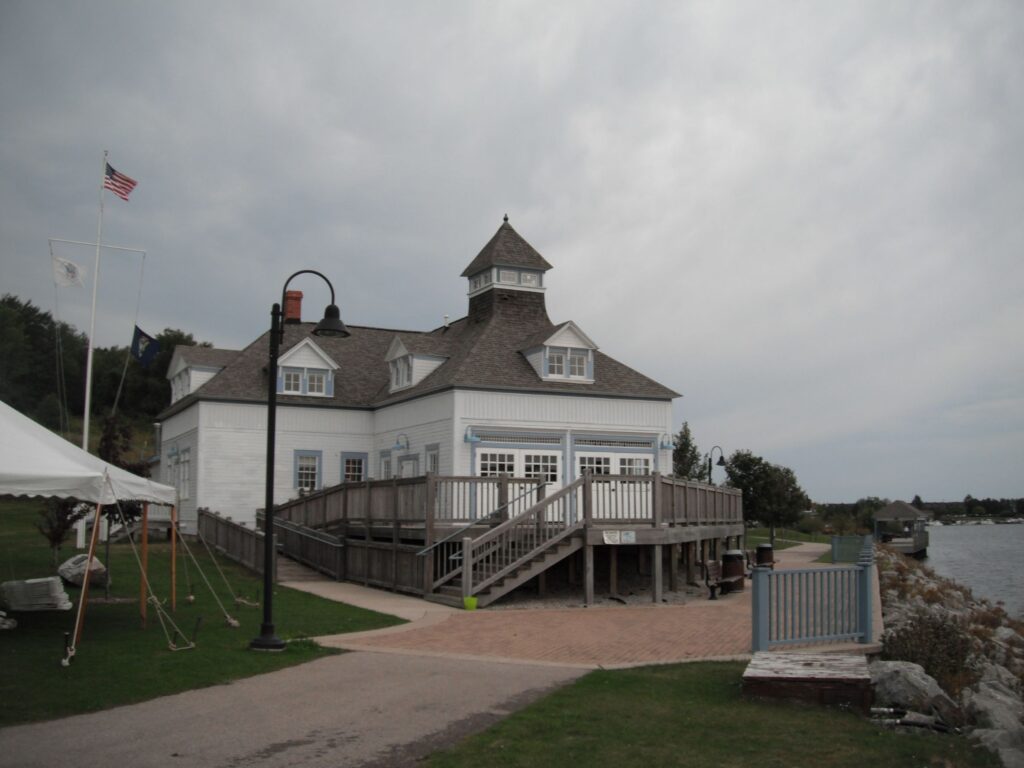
column 469, row 603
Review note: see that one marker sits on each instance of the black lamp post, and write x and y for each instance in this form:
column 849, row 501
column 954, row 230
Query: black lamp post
column 720, row 463
column 331, row 325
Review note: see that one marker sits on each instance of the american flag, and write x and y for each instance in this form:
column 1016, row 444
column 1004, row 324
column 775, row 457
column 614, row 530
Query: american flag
column 118, row 183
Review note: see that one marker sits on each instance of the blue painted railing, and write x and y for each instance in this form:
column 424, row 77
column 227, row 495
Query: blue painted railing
column 813, row 605
column 848, row 549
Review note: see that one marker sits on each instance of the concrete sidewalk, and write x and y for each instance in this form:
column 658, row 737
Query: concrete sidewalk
column 357, row 709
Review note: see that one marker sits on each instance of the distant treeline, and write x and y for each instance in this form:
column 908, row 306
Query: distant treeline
column 42, row 369
column 969, row 507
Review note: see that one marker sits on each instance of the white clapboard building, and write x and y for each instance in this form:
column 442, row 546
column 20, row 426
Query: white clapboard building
column 503, row 390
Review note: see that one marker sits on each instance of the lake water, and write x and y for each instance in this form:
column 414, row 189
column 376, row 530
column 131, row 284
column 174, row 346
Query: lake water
column 986, row 558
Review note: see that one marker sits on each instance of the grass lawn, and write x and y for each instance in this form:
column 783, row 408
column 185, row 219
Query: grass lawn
column 784, row 537
column 694, row 715
column 117, row 661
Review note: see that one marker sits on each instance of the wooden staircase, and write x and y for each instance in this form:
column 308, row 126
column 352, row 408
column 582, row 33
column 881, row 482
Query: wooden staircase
column 498, row 559
column 451, row 593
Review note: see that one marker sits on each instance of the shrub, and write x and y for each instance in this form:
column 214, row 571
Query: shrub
column 940, row 644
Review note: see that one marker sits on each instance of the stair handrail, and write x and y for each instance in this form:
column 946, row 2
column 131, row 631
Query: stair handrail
column 497, row 531
column 480, row 520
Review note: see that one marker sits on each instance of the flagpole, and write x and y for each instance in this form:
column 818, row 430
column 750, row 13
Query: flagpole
column 80, row 531
column 92, row 319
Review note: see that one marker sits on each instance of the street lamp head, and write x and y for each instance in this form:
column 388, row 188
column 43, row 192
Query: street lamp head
column 721, row 461
column 331, row 325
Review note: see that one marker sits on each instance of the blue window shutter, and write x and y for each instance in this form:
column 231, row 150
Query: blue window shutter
column 590, row 364
column 546, row 362
column 329, row 387
column 304, row 386
column 280, row 381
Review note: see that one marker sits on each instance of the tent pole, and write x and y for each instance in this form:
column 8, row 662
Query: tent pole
column 174, row 559
column 145, row 563
column 84, row 597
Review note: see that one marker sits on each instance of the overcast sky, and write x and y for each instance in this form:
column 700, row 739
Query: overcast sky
column 806, row 217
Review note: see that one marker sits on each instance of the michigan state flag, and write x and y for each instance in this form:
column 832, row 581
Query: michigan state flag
column 144, row 347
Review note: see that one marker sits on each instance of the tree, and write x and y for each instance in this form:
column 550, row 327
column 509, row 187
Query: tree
column 771, row 493
column 686, row 460
column 58, row 517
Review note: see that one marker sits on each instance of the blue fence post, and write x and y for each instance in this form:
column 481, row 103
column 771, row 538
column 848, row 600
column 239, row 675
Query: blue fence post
column 864, row 603
column 760, row 602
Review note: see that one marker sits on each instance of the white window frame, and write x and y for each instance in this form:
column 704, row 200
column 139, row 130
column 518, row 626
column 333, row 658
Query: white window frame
column 302, row 470
column 316, row 375
column 291, row 381
column 433, row 454
column 634, row 465
column 497, row 462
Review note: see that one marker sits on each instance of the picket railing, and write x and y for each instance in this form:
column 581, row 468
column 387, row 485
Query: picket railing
column 500, row 551
column 813, row 605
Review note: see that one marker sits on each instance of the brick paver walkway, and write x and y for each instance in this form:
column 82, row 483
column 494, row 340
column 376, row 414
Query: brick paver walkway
column 588, row 637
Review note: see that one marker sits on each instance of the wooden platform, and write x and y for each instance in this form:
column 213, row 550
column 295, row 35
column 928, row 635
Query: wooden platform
column 816, row 678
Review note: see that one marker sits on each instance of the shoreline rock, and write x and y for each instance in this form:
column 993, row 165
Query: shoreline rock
column 971, row 650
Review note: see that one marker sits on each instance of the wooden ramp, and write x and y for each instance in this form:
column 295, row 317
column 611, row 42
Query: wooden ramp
column 828, row 679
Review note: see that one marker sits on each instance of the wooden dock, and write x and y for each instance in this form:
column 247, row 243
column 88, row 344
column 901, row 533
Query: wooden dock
column 827, row 679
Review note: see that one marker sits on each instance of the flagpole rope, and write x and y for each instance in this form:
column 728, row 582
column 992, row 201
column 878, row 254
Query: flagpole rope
column 128, row 357
column 63, row 413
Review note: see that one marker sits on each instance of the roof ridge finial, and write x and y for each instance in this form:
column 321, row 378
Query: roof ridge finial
column 506, row 218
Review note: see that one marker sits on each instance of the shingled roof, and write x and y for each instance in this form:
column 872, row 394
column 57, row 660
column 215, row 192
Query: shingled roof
column 483, row 351
column 506, row 249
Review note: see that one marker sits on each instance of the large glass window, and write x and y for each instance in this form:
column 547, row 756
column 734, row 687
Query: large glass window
column 635, row 466
column 539, row 466
column 556, row 364
column 492, row 464
column 597, row 465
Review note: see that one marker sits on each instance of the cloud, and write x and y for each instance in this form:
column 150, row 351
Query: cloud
column 802, row 216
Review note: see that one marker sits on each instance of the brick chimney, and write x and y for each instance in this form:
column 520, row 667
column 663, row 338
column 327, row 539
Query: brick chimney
column 293, row 306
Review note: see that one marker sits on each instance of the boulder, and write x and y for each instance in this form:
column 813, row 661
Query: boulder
column 72, row 571
column 904, row 685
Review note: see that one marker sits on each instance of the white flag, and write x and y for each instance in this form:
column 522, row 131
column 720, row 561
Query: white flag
column 67, row 272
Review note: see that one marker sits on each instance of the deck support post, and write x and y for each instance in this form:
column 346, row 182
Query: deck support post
column 613, row 570
column 673, row 566
column 691, row 562
column 656, row 573
column 588, row 574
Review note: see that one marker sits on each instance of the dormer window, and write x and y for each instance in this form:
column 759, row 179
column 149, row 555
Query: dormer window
column 305, row 369
column 292, row 381
column 316, row 382
column 556, row 362
column 407, row 365
column 305, row 381
column 401, row 372
column 569, row 363
column 565, row 354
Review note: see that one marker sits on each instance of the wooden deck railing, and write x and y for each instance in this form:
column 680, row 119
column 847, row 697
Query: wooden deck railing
column 501, row 550
column 380, row 526
column 237, row 542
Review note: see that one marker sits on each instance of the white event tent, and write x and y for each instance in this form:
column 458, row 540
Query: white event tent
column 36, row 462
